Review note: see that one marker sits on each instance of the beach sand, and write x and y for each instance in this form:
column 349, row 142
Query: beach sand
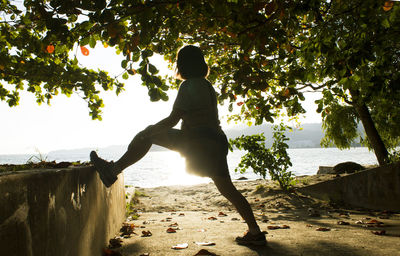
column 294, row 223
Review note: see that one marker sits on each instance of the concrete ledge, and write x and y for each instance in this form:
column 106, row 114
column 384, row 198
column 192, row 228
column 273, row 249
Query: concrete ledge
column 377, row 188
column 66, row 212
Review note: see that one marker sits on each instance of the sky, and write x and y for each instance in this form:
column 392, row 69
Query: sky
column 29, row 128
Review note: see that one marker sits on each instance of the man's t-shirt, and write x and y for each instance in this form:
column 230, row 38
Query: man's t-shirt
column 197, row 99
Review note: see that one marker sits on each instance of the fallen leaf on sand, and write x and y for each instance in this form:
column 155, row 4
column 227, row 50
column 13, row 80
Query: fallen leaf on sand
column 212, row 218
column 180, row 246
column 127, row 229
column 379, row 232
column 309, row 226
column 174, row 225
column 221, row 214
column 171, row 230
column 375, row 222
column 108, row 252
column 205, row 243
column 278, row 227
column 181, row 214
column 323, row 229
column 146, row 233
column 203, row 252
column 115, row 243
column 341, row 222
column 235, row 219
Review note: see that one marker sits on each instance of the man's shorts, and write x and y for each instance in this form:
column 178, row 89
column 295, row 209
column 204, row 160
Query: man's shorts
column 204, row 149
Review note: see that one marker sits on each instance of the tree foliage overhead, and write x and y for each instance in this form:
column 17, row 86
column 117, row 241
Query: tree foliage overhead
column 264, row 55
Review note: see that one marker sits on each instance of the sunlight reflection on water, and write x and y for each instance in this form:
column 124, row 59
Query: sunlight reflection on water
column 162, row 168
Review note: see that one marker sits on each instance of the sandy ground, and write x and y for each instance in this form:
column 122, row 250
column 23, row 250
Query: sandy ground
column 194, row 213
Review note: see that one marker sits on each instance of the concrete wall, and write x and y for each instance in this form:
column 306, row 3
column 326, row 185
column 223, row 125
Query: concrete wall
column 66, row 212
column 377, row 188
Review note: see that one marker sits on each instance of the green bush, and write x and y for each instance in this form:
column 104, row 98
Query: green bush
column 275, row 160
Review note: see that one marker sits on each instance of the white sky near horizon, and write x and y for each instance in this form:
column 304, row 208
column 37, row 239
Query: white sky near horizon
column 66, row 124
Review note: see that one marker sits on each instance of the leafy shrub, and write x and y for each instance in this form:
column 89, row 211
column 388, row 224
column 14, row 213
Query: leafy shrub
column 275, row 160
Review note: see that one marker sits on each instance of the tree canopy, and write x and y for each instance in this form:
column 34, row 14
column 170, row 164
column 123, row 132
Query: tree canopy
column 263, row 55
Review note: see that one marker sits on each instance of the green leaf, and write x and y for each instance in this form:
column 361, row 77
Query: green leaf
column 92, row 42
column 385, row 23
column 84, row 41
column 124, row 63
column 152, row 69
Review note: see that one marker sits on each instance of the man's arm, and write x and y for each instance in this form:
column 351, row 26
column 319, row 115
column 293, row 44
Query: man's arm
column 171, row 120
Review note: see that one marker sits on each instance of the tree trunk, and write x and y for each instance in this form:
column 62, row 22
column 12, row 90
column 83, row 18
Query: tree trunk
column 373, row 136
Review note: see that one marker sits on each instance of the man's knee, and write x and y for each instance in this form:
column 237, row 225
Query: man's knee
column 141, row 137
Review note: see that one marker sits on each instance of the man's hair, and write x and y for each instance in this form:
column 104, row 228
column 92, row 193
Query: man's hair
column 190, row 63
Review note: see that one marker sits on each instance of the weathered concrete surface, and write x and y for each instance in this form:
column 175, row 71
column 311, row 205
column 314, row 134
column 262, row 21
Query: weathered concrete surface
column 377, row 188
column 65, row 212
column 325, row 170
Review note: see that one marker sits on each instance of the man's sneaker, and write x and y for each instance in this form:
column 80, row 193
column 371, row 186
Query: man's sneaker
column 249, row 239
column 104, row 168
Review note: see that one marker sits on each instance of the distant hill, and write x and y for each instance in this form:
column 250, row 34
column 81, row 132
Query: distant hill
column 309, row 136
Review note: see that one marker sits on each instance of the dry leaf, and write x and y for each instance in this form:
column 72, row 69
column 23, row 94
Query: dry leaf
column 115, row 243
column 379, row 232
column 146, row 233
column 180, row 246
column 205, row 243
column 278, row 227
column 127, row 229
column 221, row 214
column 340, row 222
column 171, row 230
column 323, row 229
column 374, row 222
column 212, row 218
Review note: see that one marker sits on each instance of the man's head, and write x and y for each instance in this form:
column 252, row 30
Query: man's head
column 190, row 63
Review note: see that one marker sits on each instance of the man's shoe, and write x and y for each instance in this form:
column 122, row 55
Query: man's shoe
column 249, row 239
column 104, row 168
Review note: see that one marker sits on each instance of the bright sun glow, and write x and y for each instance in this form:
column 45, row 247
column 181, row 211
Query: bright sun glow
column 179, row 175
column 167, row 168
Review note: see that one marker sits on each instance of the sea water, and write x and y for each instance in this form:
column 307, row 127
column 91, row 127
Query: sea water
column 164, row 168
